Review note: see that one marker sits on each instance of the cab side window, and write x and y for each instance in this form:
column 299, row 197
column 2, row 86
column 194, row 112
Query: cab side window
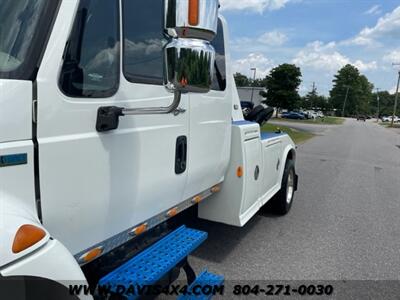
column 92, row 55
column 144, row 39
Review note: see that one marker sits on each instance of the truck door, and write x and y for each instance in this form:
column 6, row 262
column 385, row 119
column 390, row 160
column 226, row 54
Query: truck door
column 210, row 124
column 94, row 186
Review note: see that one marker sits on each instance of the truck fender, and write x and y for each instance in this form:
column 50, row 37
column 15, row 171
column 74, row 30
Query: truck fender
column 15, row 213
column 51, row 268
column 47, row 260
column 288, row 153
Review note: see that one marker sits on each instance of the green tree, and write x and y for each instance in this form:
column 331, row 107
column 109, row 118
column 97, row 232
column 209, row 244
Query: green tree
column 244, row 81
column 386, row 101
column 365, row 96
column 322, row 103
column 259, row 82
column 315, row 101
column 282, row 87
column 349, row 81
column 241, row 80
column 309, row 101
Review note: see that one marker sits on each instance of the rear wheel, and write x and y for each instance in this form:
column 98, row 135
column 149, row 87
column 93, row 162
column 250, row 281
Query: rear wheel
column 282, row 202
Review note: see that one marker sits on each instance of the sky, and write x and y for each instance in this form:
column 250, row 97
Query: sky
column 319, row 36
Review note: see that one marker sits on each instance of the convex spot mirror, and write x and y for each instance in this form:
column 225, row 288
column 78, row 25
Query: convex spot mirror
column 192, row 18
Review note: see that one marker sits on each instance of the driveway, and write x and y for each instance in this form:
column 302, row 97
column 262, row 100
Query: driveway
column 344, row 224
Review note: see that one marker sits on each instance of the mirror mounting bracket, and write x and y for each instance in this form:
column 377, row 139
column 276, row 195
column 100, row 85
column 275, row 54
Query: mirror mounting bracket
column 108, row 116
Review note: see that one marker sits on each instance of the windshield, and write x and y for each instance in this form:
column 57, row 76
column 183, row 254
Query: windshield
column 24, row 28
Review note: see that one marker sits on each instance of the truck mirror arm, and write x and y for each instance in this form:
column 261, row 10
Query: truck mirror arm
column 108, row 116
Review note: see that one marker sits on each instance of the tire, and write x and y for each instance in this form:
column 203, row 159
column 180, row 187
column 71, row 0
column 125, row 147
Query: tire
column 263, row 117
column 253, row 114
column 282, row 202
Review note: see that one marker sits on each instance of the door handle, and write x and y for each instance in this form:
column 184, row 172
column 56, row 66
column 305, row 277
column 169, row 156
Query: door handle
column 181, row 155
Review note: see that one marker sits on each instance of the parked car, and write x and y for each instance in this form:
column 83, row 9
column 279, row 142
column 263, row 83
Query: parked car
column 361, row 118
column 293, row 115
column 320, row 114
column 387, row 119
column 310, row 114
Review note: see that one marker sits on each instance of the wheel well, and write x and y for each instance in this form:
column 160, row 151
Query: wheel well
column 291, row 155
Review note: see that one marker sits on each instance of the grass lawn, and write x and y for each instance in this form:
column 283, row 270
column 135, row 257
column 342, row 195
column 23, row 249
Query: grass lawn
column 388, row 125
column 326, row 120
column 297, row 136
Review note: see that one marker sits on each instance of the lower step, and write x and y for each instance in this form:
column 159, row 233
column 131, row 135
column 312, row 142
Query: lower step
column 152, row 264
column 205, row 286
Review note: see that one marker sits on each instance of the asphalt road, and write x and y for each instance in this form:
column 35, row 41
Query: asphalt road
column 344, row 224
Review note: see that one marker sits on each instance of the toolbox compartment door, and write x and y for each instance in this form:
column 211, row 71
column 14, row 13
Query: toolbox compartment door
column 252, row 165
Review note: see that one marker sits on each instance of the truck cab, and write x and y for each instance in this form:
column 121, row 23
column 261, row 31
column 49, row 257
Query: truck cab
column 92, row 152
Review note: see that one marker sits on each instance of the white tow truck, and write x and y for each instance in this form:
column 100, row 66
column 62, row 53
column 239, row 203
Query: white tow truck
column 115, row 117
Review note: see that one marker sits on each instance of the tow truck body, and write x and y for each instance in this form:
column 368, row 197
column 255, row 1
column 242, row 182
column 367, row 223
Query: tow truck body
column 93, row 155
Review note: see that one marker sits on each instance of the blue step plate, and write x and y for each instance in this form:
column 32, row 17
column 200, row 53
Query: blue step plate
column 151, row 265
column 207, row 281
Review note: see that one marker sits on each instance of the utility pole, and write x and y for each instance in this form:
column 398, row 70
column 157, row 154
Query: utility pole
column 377, row 98
column 397, row 96
column 313, row 89
column 345, row 100
column 254, row 80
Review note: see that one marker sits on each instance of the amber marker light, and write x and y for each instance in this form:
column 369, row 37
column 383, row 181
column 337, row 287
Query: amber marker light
column 91, row 255
column 194, row 12
column 172, row 212
column 216, row 189
column 197, row 199
column 27, row 236
column 139, row 230
column 239, row 172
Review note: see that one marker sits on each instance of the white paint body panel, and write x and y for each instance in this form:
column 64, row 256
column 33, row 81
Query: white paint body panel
column 237, row 114
column 241, row 198
column 16, row 110
column 94, row 186
column 210, row 133
column 17, row 200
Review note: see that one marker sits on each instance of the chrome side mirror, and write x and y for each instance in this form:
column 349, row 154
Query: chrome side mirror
column 189, row 66
column 189, row 57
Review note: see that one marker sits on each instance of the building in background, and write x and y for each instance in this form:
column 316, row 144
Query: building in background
column 245, row 94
